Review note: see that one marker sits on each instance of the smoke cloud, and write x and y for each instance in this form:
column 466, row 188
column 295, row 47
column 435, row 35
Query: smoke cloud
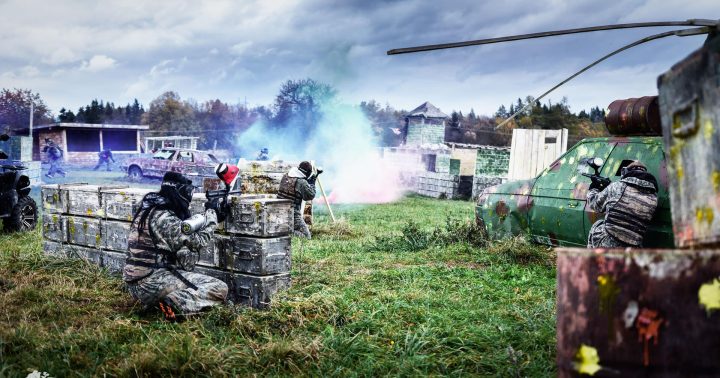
column 342, row 143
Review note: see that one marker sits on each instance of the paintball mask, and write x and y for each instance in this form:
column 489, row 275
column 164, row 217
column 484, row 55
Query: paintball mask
column 180, row 183
column 634, row 166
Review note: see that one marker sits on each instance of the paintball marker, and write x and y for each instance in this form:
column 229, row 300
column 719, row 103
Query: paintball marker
column 598, row 181
column 216, row 199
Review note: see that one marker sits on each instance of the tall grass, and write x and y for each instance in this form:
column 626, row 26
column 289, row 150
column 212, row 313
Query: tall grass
column 432, row 301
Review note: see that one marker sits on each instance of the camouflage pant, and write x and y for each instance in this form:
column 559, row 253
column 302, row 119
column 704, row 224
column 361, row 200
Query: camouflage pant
column 55, row 168
column 101, row 162
column 164, row 285
column 599, row 238
column 300, row 229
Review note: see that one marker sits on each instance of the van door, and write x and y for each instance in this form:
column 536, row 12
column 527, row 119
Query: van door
column 557, row 212
column 650, row 152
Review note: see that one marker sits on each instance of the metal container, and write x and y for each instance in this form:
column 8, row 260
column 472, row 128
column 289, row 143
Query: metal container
column 634, row 116
column 690, row 111
column 248, row 289
column 638, row 312
column 249, row 255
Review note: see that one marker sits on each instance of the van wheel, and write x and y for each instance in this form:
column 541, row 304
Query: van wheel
column 135, row 173
column 23, row 216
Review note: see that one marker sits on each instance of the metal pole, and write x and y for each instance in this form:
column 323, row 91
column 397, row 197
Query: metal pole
column 691, row 22
column 327, row 203
column 32, row 110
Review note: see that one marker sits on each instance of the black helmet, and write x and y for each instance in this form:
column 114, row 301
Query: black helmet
column 306, row 168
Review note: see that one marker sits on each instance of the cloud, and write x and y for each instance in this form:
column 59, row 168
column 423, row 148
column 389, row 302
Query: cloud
column 98, row 63
column 60, row 55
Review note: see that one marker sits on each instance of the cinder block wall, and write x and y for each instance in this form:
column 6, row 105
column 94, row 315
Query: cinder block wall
column 492, row 162
column 427, row 132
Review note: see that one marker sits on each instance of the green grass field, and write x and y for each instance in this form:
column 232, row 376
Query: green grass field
column 398, row 289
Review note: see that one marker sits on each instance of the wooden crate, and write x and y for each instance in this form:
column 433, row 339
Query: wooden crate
column 86, row 200
column 121, row 204
column 54, row 197
column 84, row 231
column 91, row 255
column 247, row 289
column 114, row 235
column 260, row 216
column 54, row 227
column 689, row 96
column 249, row 255
column 642, row 312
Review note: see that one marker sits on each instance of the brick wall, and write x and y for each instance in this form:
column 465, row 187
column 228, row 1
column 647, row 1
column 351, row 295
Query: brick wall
column 436, row 185
column 492, row 162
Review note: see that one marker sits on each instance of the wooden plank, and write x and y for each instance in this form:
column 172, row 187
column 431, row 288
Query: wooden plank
column 644, row 312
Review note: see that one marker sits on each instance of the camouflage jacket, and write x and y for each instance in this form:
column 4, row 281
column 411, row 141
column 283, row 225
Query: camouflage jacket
column 629, row 205
column 163, row 243
column 294, row 186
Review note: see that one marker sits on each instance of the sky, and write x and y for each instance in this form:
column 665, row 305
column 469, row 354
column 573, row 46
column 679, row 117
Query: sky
column 241, row 51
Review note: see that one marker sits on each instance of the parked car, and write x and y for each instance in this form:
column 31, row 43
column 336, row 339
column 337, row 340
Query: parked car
column 552, row 208
column 186, row 161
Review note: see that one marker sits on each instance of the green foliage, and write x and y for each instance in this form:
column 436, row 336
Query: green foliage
column 15, row 109
column 100, row 112
column 452, row 309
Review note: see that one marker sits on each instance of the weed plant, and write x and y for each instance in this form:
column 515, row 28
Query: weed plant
column 434, row 299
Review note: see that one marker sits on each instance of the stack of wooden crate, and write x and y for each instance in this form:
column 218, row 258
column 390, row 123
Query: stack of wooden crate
column 251, row 252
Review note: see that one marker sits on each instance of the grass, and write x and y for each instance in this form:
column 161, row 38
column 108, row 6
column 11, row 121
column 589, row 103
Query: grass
column 367, row 299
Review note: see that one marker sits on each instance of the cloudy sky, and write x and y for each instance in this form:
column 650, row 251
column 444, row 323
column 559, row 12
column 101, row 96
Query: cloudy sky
column 73, row 51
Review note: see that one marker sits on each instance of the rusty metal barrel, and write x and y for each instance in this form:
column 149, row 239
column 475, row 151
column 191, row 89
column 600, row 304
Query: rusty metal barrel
column 634, row 116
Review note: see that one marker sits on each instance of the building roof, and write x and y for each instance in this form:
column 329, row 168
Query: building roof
column 67, row 125
column 427, row 110
column 172, row 137
column 477, row 146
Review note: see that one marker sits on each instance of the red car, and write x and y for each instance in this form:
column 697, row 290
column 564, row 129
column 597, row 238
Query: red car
column 185, row 161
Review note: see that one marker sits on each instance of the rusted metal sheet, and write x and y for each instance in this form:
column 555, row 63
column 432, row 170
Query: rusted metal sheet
column 121, row 204
column 638, row 312
column 250, row 255
column 85, row 200
column 54, row 227
column 689, row 98
column 84, row 231
column 634, row 116
column 259, row 215
column 247, row 289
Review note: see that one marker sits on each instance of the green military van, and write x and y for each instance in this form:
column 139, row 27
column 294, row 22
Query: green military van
column 552, row 208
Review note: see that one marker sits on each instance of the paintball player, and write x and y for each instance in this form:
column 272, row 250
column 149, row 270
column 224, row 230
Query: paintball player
column 298, row 185
column 263, row 155
column 54, row 155
column 628, row 204
column 158, row 269
column 104, row 157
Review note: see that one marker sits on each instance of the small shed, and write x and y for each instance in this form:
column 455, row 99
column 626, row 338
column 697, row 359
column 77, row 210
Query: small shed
column 177, row 141
column 424, row 126
column 82, row 141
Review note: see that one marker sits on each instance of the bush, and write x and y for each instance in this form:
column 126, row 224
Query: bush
column 414, row 238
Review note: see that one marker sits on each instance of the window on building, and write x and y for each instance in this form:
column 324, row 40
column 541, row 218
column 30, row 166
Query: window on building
column 79, row 140
column 120, row 140
column 429, row 161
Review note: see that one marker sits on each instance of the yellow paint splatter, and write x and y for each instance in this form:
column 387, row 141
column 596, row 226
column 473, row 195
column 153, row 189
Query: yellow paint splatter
column 716, row 180
column 704, row 214
column 708, row 129
column 587, row 360
column 709, row 295
column 680, row 173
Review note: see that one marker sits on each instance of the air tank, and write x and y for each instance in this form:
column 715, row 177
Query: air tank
column 634, row 116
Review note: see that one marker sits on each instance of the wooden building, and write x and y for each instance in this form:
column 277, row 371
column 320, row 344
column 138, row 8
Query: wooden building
column 81, row 142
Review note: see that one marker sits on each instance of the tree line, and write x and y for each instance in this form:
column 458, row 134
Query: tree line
column 297, row 105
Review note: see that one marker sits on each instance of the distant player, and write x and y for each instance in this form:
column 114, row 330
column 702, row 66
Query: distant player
column 298, row 185
column 104, row 157
column 54, row 155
